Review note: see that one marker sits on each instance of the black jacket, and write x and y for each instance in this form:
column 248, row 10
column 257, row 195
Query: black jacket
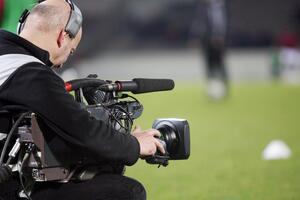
column 36, row 86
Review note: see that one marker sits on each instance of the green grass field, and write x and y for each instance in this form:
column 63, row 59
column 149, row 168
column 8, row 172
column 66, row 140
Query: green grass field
column 227, row 139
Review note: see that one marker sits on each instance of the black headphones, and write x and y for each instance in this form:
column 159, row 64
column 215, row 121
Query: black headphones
column 73, row 25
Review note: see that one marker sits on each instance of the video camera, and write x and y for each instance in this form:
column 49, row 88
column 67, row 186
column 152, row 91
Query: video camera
column 104, row 100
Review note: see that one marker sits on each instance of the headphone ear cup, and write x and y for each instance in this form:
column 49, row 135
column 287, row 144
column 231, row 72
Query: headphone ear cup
column 22, row 20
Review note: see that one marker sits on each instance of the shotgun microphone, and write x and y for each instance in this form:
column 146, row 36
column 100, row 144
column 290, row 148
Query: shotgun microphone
column 139, row 85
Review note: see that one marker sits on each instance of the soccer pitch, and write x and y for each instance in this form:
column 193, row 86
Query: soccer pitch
column 227, row 139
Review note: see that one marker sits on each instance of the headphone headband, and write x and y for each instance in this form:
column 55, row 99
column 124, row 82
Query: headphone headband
column 73, row 25
column 75, row 20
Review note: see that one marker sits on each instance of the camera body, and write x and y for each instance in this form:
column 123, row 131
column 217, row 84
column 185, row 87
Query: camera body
column 119, row 110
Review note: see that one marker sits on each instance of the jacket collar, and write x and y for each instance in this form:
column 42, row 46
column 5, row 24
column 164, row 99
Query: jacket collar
column 27, row 47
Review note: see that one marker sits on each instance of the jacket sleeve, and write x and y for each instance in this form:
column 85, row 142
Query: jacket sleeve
column 39, row 88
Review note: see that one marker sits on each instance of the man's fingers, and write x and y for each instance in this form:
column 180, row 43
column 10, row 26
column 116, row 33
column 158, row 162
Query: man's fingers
column 160, row 147
column 148, row 141
column 154, row 132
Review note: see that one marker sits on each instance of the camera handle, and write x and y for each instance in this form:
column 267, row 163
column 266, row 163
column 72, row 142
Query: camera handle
column 157, row 159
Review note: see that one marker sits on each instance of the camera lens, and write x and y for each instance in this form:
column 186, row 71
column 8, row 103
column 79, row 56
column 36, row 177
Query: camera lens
column 168, row 135
column 176, row 134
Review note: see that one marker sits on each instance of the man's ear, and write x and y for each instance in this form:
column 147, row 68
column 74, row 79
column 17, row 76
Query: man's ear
column 60, row 38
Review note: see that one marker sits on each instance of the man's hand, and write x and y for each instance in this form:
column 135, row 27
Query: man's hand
column 148, row 143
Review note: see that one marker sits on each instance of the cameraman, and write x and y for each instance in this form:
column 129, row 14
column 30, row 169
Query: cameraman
column 27, row 79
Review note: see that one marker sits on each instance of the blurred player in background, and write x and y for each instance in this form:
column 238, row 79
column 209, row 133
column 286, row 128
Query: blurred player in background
column 210, row 26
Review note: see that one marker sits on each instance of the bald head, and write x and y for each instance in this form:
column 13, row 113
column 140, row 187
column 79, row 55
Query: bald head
column 50, row 15
column 46, row 28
